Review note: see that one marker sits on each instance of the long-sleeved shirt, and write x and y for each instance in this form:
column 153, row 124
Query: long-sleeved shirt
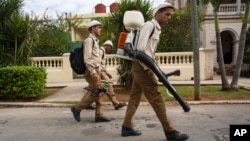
column 91, row 53
column 146, row 44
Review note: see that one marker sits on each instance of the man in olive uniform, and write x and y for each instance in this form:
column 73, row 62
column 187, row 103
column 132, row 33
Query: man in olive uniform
column 144, row 80
column 106, row 47
column 92, row 74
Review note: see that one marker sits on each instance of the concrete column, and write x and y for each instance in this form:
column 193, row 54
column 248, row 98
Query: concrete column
column 72, row 34
column 206, row 63
column 235, row 52
column 238, row 2
column 67, row 71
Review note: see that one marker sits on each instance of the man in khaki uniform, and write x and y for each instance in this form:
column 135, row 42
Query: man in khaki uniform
column 92, row 74
column 144, row 80
column 107, row 46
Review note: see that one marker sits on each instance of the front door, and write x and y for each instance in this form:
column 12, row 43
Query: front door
column 227, row 47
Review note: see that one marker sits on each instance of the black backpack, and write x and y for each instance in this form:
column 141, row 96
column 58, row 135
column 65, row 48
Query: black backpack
column 76, row 59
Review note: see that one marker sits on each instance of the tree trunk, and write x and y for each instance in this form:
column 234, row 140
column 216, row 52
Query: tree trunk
column 15, row 51
column 236, row 75
column 196, row 46
column 225, row 83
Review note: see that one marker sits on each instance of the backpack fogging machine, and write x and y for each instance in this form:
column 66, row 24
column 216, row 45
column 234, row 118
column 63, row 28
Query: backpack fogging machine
column 127, row 50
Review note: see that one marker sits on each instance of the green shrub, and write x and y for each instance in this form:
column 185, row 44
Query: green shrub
column 21, row 82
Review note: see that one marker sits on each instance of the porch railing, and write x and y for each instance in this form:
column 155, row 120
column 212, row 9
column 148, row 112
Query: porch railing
column 227, row 9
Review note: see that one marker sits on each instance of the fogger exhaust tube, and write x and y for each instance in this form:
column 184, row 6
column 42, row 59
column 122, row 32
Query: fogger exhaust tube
column 150, row 64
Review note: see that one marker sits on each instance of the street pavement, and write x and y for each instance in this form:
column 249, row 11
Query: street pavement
column 47, row 120
column 202, row 123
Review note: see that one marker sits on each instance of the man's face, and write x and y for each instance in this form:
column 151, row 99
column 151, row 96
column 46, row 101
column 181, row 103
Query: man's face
column 165, row 16
column 107, row 48
column 97, row 30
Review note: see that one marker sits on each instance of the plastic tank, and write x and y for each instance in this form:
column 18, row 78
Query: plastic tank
column 132, row 19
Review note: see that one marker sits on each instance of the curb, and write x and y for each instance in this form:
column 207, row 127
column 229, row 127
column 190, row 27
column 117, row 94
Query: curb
column 61, row 105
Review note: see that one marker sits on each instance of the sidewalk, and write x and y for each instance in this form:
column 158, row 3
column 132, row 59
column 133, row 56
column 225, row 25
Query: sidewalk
column 73, row 92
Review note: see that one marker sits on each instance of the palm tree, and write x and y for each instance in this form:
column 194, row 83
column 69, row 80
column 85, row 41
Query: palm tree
column 216, row 5
column 116, row 26
column 236, row 74
column 16, row 34
column 18, row 29
column 7, row 8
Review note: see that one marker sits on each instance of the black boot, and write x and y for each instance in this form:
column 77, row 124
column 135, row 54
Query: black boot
column 102, row 119
column 76, row 114
column 130, row 132
column 120, row 105
column 176, row 136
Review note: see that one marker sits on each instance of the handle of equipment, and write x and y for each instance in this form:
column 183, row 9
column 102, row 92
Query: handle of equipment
column 149, row 62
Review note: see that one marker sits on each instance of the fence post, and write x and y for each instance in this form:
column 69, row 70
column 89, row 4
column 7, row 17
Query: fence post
column 67, row 71
column 206, row 63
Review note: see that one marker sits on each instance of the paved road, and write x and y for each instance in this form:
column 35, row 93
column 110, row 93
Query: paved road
column 202, row 123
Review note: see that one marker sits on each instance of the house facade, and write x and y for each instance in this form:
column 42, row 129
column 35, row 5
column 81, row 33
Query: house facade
column 230, row 21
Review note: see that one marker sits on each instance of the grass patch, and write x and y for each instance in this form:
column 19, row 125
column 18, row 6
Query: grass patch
column 210, row 92
column 207, row 92
column 48, row 91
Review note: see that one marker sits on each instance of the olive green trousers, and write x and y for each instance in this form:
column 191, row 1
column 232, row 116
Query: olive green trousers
column 147, row 84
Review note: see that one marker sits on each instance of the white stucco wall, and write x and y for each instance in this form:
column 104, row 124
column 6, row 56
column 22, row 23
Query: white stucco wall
column 208, row 37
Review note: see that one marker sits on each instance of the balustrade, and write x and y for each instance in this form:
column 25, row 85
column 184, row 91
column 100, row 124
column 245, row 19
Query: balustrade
column 111, row 60
column 58, row 68
column 174, row 58
column 227, row 9
column 48, row 62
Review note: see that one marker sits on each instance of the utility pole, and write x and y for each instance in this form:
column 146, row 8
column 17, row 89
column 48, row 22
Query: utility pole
column 196, row 46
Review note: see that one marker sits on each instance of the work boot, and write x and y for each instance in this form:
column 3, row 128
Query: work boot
column 120, row 105
column 130, row 132
column 102, row 119
column 76, row 114
column 176, row 136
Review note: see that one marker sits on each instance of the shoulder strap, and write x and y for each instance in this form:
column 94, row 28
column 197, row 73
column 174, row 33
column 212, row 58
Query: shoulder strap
column 102, row 52
column 93, row 42
column 152, row 31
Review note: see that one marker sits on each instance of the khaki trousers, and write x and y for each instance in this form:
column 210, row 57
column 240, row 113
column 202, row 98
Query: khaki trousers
column 110, row 89
column 91, row 97
column 144, row 83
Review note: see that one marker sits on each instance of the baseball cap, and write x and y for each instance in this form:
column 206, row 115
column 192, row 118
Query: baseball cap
column 163, row 5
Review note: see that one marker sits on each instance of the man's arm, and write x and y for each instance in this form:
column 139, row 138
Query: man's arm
column 103, row 59
column 88, row 60
column 145, row 32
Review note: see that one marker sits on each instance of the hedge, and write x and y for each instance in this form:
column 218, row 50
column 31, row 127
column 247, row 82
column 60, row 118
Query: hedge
column 21, row 82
